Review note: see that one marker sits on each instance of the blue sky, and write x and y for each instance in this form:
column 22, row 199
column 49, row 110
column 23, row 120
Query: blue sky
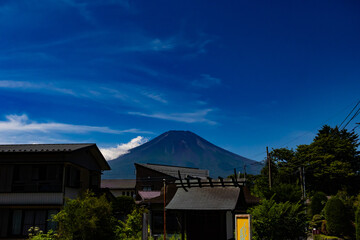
column 242, row 74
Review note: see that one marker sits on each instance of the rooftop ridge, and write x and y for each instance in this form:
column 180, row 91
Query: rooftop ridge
column 165, row 165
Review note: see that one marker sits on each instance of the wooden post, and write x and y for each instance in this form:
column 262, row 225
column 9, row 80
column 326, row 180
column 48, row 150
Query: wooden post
column 164, row 209
column 269, row 165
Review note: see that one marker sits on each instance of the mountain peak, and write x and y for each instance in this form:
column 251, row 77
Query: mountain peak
column 182, row 148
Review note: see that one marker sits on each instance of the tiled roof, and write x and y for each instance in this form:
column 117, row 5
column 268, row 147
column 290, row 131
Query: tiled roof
column 44, row 147
column 173, row 170
column 205, row 199
column 118, row 183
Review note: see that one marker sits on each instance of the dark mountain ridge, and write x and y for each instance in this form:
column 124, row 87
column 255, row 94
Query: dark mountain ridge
column 181, row 148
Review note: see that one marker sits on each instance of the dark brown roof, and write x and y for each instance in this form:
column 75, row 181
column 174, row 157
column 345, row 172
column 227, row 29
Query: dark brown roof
column 173, row 170
column 56, row 148
column 205, row 199
column 44, row 147
column 118, row 183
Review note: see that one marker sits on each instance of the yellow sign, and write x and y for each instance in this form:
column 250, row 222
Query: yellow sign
column 243, row 227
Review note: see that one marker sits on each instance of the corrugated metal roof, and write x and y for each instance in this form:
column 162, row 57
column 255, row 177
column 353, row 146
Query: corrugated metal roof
column 173, row 170
column 44, row 147
column 118, row 183
column 205, row 199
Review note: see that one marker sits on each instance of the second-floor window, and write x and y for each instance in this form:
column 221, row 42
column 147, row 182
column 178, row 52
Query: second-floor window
column 37, row 178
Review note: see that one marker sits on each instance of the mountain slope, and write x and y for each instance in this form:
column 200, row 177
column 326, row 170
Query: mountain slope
column 181, row 148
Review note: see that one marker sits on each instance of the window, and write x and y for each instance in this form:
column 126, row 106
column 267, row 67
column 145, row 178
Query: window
column 23, row 220
column 73, row 177
column 16, row 223
column 147, row 188
column 50, row 224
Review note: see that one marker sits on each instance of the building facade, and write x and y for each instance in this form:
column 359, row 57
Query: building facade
column 35, row 180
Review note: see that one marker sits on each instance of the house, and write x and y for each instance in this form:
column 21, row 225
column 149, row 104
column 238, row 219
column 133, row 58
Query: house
column 35, row 180
column 120, row 187
column 150, row 180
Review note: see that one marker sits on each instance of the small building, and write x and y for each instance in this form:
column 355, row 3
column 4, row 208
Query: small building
column 120, row 187
column 35, row 180
column 206, row 209
column 150, row 189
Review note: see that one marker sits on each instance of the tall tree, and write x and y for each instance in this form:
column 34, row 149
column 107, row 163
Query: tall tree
column 331, row 161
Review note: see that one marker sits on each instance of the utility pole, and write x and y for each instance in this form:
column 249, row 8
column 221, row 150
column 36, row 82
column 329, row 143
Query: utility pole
column 269, row 165
column 164, row 209
column 245, row 173
column 302, row 181
column 304, row 184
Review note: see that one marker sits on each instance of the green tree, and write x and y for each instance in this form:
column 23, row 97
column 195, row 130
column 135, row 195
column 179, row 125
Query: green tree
column 87, row 217
column 318, row 202
column 337, row 221
column 278, row 221
column 122, row 206
column 132, row 226
column 331, row 161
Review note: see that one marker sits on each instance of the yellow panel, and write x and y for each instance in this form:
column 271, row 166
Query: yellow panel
column 243, row 231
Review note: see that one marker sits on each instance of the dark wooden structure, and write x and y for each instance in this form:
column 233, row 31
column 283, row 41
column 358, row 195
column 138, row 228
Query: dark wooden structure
column 150, row 182
column 206, row 208
column 35, row 179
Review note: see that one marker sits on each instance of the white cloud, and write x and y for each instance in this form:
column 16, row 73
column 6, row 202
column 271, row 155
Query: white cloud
column 206, row 81
column 21, row 124
column 121, row 149
column 192, row 117
column 10, row 84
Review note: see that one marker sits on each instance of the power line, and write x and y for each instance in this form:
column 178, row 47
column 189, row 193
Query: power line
column 349, row 113
column 306, row 133
column 354, row 116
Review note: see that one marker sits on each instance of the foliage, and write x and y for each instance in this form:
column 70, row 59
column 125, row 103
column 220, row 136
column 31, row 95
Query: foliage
column 337, row 221
column 122, row 206
column 316, row 222
column 323, row 237
column 331, row 162
column 87, row 217
column 357, row 223
column 318, row 202
column 36, row 234
column 277, row 221
column 132, row 226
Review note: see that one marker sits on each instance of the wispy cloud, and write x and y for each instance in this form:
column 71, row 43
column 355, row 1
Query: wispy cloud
column 192, row 117
column 206, row 81
column 142, row 43
column 121, row 149
column 22, row 124
column 10, row 84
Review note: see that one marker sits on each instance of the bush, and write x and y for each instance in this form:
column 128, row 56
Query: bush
column 278, row 221
column 122, row 206
column 337, row 222
column 132, row 227
column 86, row 218
column 318, row 202
column 36, row 234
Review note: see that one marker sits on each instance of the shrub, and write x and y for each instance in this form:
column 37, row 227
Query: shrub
column 36, row 234
column 278, row 221
column 337, row 221
column 122, row 206
column 132, row 227
column 86, row 218
column 318, row 202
